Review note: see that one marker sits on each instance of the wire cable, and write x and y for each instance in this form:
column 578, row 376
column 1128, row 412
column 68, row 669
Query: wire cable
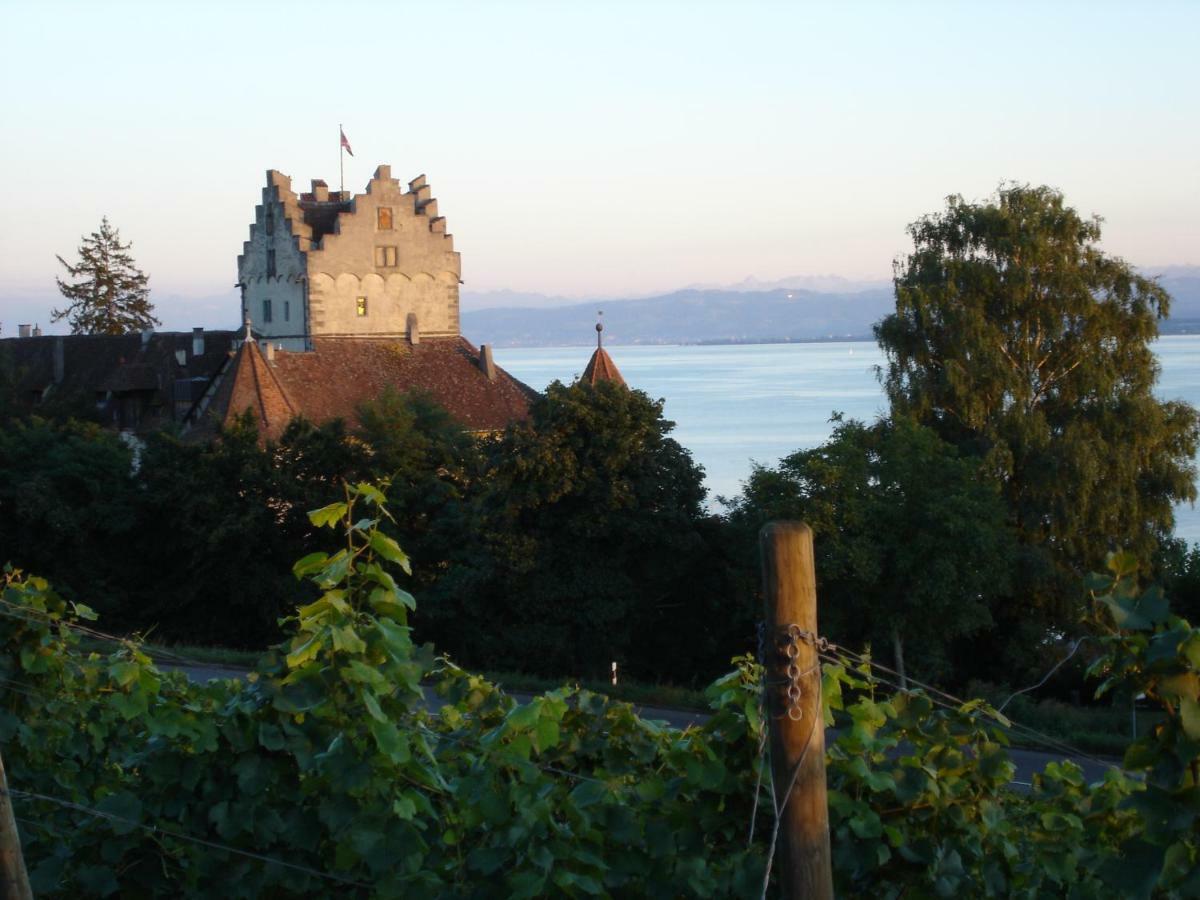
column 169, row 832
column 934, row 693
column 1033, row 687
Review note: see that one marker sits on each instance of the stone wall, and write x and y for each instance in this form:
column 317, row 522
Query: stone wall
column 279, row 227
column 366, row 278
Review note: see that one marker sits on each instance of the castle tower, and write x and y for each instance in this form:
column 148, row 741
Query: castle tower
column 325, row 264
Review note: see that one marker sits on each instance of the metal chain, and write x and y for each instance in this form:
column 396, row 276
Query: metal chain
column 786, row 643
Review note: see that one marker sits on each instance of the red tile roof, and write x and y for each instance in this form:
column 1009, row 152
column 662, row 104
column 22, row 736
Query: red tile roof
column 601, row 368
column 339, row 374
column 250, row 383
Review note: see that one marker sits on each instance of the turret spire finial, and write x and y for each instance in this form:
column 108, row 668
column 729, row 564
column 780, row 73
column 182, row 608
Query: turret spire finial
column 249, row 333
column 599, row 329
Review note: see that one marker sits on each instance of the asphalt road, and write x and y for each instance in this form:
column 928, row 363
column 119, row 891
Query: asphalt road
column 1027, row 761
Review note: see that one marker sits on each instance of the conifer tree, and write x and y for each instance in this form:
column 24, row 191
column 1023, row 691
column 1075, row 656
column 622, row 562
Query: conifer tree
column 109, row 293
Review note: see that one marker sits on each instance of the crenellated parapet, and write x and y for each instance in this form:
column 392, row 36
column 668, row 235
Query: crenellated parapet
column 361, row 265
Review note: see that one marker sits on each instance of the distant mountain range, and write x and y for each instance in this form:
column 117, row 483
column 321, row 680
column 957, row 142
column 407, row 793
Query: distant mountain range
column 799, row 308
column 687, row 317
column 748, row 312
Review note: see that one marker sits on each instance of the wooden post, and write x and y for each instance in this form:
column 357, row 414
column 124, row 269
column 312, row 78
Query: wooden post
column 789, row 586
column 13, row 878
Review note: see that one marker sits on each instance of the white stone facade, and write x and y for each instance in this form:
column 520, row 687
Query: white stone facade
column 323, row 264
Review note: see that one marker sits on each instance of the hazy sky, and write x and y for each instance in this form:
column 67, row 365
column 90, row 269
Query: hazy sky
column 598, row 148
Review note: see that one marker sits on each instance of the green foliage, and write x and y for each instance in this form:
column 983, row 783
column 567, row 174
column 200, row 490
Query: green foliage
column 596, row 546
column 1159, row 654
column 220, row 525
column 1019, row 341
column 1104, row 727
column 327, row 759
column 1178, row 568
column 109, row 294
column 920, row 804
column 911, row 542
column 66, row 503
column 333, row 774
column 582, row 530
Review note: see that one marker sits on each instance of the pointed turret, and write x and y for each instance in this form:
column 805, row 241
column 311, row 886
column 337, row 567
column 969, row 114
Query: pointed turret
column 251, row 384
column 601, row 367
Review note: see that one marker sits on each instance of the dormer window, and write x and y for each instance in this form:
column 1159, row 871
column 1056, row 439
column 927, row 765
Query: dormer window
column 385, row 257
column 383, row 220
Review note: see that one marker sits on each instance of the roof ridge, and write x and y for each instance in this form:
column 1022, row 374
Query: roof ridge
column 257, row 363
column 602, row 368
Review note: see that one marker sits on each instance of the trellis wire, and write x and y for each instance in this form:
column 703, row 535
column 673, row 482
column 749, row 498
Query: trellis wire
column 179, row 835
column 34, row 616
column 934, row 693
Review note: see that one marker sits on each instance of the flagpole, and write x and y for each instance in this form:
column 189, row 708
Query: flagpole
column 341, row 164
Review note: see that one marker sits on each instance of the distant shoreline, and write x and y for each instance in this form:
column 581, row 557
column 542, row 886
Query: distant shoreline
column 1166, row 329
column 715, row 342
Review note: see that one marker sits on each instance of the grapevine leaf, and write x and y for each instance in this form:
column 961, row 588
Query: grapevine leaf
column 390, row 550
column 372, row 706
column 328, row 516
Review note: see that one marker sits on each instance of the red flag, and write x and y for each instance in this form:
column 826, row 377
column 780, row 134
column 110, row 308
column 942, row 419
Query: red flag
column 345, row 143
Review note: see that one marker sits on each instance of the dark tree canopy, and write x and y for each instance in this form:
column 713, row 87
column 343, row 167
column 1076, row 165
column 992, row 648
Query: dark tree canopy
column 108, row 294
column 911, row 544
column 1018, row 340
column 599, row 546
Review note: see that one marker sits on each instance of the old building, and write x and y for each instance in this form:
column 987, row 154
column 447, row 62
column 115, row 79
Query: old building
column 320, row 264
column 342, row 298
column 133, row 382
column 346, row 296
column 339, row 374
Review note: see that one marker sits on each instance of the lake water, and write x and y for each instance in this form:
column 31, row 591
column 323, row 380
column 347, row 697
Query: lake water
column 737, row 405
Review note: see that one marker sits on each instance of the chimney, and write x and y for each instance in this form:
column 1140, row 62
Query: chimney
column 37, row 330
column 414, row 330
column 486, row 363
column 320, row 190
column 270, row 352
column 23, row 330
column 197, row 342
column 383, row 173
column 60, row 362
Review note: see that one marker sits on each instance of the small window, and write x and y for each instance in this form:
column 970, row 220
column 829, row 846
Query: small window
column 385, row 257
column 384, row 220
column 287, row 310
column 361, row 308
column 270, row 263
column 266, row 310
column 269, row 219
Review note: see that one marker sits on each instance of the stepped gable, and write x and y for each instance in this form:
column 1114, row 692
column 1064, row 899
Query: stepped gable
column 601, row 367
column 250, row 383
column 342, row 373
column 335, row 264
column 280, row 186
